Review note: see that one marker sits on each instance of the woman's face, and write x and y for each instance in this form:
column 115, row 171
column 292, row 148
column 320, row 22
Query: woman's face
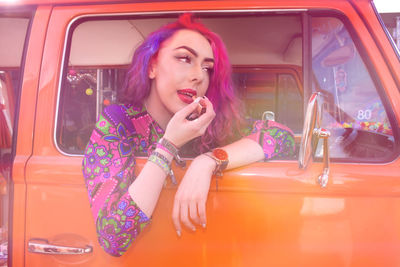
column 181, row 70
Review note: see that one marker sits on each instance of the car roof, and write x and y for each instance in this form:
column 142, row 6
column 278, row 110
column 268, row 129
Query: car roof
column 57, row 2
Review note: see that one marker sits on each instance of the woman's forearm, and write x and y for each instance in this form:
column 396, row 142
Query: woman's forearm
column 243, row 152
column 146, row 188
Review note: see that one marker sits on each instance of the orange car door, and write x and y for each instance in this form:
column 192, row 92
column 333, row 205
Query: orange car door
column 267, row 213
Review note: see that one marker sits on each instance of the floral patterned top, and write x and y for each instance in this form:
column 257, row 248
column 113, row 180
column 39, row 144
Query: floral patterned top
column 122, row 131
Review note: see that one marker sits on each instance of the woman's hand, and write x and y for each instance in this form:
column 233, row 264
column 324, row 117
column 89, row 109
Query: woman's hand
column 191, row 196
column 180, row 130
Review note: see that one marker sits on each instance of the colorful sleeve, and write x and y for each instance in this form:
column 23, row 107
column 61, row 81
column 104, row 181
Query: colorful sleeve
column 276, row 140
column 108, row 169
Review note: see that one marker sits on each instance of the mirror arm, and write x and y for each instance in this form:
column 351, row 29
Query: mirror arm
column 324, row 177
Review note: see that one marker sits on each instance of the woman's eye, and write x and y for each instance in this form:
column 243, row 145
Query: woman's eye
column 185, row 59
column 208, row 69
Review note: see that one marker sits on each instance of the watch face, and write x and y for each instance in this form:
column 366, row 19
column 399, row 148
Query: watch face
column 220, row 154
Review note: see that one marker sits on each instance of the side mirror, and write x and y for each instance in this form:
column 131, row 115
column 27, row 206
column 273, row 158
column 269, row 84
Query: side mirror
column 312, row 120
column 312, row 128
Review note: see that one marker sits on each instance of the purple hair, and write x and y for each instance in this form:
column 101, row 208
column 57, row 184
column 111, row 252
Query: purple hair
column 220, row 91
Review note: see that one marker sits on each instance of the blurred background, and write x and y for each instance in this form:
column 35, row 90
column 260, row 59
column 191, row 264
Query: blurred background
column 390, row 12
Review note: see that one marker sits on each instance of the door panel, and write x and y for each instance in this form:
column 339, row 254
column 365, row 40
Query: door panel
column 249, row 216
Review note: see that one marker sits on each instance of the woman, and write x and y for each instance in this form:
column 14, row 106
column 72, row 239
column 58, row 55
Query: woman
column 180, row 62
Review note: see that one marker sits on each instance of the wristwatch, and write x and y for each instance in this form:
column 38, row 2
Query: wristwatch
column 221, row 158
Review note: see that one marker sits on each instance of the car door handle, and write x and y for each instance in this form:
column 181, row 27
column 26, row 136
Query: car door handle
column 44, row 247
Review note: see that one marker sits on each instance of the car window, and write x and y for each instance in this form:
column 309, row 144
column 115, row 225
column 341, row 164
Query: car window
column 266, row 63
column 353, row 109
column 274, row 92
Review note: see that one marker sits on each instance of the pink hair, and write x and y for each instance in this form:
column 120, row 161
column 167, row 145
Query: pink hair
column 220, row 91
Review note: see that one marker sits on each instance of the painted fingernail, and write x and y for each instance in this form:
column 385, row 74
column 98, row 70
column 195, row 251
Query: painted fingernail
column 203, row 225
column 178, row 233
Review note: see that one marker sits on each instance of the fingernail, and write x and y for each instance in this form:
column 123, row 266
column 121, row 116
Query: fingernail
column 178, row 233
column 197, row 100
column 192, row 116
column 203, row 225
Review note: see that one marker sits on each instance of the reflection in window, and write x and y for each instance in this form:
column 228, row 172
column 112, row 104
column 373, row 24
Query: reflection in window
column 354, row 112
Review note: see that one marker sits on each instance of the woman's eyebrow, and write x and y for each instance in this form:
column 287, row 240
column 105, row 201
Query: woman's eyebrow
column 191, row 50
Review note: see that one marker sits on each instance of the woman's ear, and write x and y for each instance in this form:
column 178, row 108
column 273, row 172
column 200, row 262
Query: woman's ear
column 152, row 69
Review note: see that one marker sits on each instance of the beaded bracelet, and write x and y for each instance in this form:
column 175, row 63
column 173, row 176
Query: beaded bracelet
column 161, row 161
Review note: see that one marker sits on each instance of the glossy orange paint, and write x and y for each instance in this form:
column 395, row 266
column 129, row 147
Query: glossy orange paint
column 25, row 133
column 354, row 221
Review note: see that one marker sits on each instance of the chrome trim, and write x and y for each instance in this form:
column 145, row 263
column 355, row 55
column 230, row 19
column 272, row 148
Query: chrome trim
column 311, row 121
column 312, row 127
column 42, row 246
column 323, row 178
column 268, row 116
column 67, row 33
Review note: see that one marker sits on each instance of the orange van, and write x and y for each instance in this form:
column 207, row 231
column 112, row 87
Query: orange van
column 327, row 69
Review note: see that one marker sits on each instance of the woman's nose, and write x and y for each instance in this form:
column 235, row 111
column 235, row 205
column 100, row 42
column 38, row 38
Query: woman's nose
column 197, row 74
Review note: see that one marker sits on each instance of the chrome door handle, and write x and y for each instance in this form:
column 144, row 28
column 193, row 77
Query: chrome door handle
column 44, row 247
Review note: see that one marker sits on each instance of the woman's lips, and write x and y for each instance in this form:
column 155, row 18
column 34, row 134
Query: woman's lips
column 187, row 95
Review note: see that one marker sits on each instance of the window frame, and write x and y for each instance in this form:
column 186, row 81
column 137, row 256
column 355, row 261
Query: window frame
column 375, row 79
column 135, row 15
column 306, row 66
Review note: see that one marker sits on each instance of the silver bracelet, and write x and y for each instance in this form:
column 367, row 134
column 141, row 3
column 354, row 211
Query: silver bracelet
column 173, row 150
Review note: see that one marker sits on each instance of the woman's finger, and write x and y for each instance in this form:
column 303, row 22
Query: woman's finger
column 193, row 212
column 184, row 216
column 209, row 107
column 175, row 218
column 187, row 110
column 208, row 115
column 201, row 206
